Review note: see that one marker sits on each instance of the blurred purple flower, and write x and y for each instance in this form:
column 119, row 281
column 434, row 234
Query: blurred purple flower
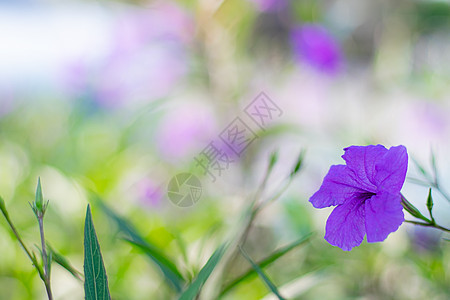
column 367, row 193
column 184, row 130
column 425, row 239
column 270, row 5
column 149, row 193
column 314, row 45
column 7, row 101
column 148, row 56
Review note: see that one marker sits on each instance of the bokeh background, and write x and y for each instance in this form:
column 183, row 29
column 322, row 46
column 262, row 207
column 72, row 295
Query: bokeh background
column 117, row 97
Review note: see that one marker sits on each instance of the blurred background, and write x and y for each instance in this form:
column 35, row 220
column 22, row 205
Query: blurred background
column 117, row 97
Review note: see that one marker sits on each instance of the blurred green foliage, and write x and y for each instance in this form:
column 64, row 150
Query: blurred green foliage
column 79, row 147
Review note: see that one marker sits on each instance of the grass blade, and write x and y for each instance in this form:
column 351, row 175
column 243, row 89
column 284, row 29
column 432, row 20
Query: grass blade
column 96, row 281
column 261, row 274
column 170, row 271
column 266, row 261
column 167, row 267
column 194, row 288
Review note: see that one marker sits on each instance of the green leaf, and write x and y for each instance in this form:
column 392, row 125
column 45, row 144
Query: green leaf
column 63, row 262
column 170, row 271
column 298, row 163
column 273, row 159
column 3, row 208
column 430, row 205
column 434, row 166
column 261, row 274
column 266, row 261
column 167, row 267
column 419, row 166
column 194, row 288
column 413, row 210
column 96, row 281
column 417, row 181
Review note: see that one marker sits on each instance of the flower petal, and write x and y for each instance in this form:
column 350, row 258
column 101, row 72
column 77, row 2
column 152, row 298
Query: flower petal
column 384, row 214
column 345, row 226
column 337, row 186
column 362, row 161
column 391, row 170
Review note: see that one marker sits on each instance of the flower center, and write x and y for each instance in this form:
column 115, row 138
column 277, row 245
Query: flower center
column 363, row 196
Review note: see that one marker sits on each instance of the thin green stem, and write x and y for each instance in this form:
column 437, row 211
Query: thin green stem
column 428, row 225
column 276, row 196
column 31, row 256
column 413, row 211
column 252, row 212
column 24, row 247
column 45, row 258
column 13, row 228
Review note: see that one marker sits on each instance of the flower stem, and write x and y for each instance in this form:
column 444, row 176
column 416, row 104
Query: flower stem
column 22, row 244
column 413, row 211
column 428, row 225
column 44, row 259
column 31, row 256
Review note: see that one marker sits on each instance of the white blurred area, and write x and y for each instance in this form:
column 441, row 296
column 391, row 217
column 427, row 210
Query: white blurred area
column 37, row 41
column 110, row 53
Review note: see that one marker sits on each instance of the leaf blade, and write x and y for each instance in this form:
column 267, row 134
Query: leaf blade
column 169, row 270
column 96, row 281
column 266, row 261
column 192, row 291
column 262, row 275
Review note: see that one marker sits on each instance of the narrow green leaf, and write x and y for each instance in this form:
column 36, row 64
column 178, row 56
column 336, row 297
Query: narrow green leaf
column 419, row 166
column 170, row 271
column 413, row 210
column 194, row 288
column 266, row 261
column 430, row 205
column 63, row 262
column 96, row 281
column 261, row 274
column 3, row 207
column 273, row 159
column 298, row 163
column 421, row 169
column 166, row 266
column 434, row 166
column 417, row 181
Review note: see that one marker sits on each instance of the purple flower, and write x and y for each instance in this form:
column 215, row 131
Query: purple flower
column 367, row 193
column 314, row 45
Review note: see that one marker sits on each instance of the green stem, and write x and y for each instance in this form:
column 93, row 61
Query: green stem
column 13, row 228
column 428, row 225
column 30, row 256
column 252, row 211
column 413, row 211
column 44, row 259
